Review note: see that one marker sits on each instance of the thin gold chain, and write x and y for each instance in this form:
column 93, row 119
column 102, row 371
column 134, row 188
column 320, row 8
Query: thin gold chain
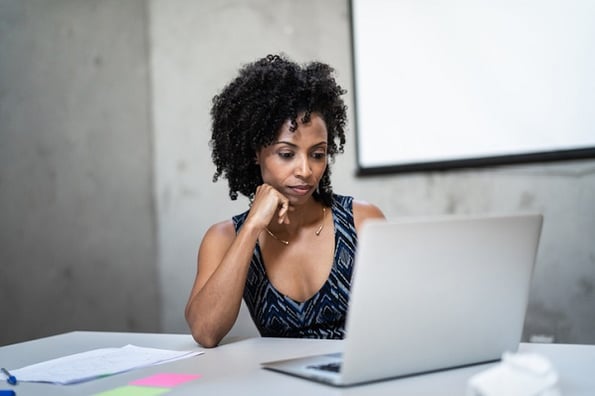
column 317, row 232
column 283, row 241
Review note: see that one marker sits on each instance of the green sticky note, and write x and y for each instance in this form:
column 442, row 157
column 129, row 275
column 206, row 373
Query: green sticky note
column 134, row 391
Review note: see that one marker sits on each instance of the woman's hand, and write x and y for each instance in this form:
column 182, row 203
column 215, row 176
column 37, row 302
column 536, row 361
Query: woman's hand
column 268, row 203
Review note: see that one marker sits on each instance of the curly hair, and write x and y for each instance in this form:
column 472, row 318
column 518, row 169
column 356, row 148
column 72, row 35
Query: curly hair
column 251, row 109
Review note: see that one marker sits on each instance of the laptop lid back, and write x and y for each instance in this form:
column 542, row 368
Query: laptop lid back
column 437, row 293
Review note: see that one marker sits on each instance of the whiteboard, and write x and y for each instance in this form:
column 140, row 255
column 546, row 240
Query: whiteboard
column 440, row 84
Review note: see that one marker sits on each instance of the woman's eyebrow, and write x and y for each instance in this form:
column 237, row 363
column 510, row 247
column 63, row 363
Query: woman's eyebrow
column 285, row 142
column 321, row 144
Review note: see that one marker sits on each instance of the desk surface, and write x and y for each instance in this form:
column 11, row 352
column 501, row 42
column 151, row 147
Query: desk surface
column 234, row 368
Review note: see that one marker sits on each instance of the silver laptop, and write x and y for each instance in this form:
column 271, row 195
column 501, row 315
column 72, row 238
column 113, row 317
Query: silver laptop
column 429, row 295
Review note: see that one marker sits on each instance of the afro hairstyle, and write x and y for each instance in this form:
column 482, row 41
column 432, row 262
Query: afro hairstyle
column 249, row 112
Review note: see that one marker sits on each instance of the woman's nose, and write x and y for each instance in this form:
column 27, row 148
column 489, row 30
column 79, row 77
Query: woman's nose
column 303, row 168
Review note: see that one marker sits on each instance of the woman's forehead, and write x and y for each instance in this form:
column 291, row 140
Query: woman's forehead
column 315, row 127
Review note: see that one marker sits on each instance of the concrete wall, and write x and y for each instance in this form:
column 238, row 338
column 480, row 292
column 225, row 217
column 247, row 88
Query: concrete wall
column 198, row 46
column 77, row 235
column 100, row 230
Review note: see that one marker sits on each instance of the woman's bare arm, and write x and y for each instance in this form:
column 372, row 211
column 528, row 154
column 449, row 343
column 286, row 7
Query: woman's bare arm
column 222, row 267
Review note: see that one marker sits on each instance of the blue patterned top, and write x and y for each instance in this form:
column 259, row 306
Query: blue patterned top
column 321, row 316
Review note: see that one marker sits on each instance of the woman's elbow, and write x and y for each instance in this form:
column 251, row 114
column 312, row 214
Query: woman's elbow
column 206, row 338
column 206, row 331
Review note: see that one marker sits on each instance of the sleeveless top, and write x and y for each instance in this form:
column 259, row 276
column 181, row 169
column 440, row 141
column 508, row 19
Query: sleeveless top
column 322, row 315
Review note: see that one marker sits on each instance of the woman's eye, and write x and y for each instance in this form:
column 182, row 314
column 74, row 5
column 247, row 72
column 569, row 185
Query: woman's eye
column 285, row 154
column 319, row 156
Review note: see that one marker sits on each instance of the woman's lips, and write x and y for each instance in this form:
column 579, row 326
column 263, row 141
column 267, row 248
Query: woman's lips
column 300, row 190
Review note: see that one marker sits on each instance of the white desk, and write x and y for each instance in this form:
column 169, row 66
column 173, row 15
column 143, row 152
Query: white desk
column 234, row 368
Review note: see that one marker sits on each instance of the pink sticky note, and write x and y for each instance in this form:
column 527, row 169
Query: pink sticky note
column 165, row 380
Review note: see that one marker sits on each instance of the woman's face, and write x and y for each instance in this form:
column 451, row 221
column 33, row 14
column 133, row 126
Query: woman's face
column 295, row 162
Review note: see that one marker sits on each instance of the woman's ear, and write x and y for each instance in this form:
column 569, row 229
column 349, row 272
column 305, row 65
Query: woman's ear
column 257, row 159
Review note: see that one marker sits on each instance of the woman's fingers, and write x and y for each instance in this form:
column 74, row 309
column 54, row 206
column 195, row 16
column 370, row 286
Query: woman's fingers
column 268, row 202
column 283, row 211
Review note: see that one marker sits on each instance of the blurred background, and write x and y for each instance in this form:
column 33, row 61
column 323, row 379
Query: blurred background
column 106, row 179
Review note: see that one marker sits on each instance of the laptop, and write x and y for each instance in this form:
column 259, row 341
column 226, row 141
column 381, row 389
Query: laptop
column 428, row 295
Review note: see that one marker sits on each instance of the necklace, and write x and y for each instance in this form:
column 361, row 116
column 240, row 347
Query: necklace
column 317, row 232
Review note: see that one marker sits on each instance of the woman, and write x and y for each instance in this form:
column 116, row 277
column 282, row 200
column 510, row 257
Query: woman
column 275, row 129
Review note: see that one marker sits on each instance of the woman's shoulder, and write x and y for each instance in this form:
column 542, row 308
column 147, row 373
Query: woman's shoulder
column 363, row 210
column 223, row 230
column 366, row 209
column 360, row 208
column 227, row 228
column 218, row 237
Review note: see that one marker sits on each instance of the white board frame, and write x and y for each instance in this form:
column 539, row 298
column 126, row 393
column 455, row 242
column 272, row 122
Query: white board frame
column 462, row 83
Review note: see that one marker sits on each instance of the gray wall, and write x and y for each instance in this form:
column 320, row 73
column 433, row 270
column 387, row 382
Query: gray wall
column 77, row 235
column 198, row 46
column 87, row 87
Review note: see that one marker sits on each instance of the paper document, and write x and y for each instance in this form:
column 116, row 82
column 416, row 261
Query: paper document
column 97, row 363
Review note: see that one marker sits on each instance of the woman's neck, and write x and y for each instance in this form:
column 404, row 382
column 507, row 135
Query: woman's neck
column 308, row 215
